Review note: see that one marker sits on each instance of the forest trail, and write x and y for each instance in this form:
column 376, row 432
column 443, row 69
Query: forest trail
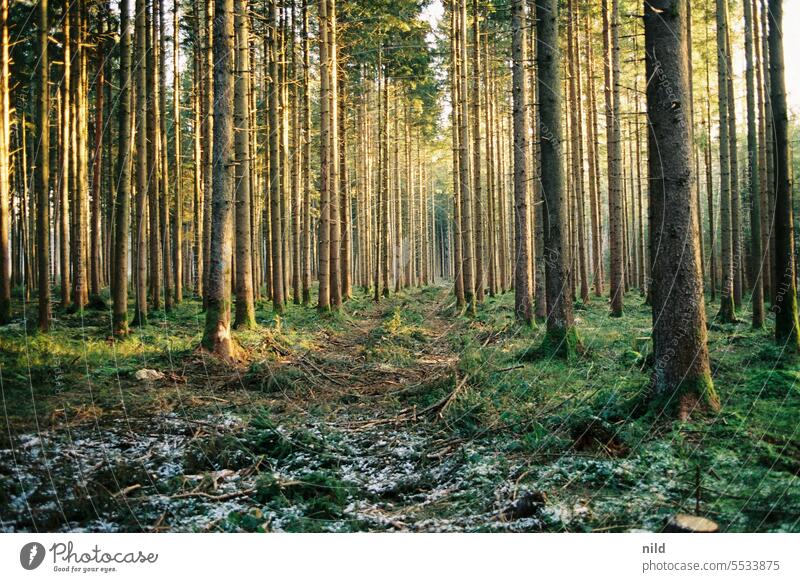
column 389, row 416
column 344, row 432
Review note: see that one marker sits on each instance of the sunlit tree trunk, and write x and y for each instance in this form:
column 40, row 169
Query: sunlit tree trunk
column 681, row 377
column 306, row 160
column 615, row 202
column 454, row 129
column 465, row 183
column 42, row 176
column 477, row 158
column 522, row 232
column 245, row 309
column 5, row 174
column 754, row 184
column 97, row 165
column 785, row 306
column 153, row 155
column 122, row 208
column 176, row 116
column 217, row 333
column 561, row 337
column 726, row 310
column 324, row 243
column 140, row 315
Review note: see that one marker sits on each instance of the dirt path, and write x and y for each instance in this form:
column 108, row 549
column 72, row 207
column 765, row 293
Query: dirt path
column 346, row 435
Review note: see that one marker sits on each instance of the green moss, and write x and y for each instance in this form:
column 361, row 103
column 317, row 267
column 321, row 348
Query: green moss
column 561, row 342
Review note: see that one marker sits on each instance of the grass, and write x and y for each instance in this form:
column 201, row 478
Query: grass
column 329, row 432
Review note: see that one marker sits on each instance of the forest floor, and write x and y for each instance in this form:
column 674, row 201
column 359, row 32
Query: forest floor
column 393, row 416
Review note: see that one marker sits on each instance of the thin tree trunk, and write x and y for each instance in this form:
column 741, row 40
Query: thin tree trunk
column 324, row 242
column 122, row 208
column 176, row 116
column 757, row 296
column 140, row 316
column 43, row 170
column 522, row 232
column 464, row 166
column 245, row 309
column 615, row 202
column 726, row 311
column 97, row 165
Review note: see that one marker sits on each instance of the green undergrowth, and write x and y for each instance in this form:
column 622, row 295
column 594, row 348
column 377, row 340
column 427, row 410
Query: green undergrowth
column 497, row 415
column 592, row 414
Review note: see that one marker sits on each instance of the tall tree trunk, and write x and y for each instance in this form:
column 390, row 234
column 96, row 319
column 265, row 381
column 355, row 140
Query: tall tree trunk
column 140, row 316
column 754, row 184
column 768, row 212
column 43, row 170
column 324, row 242
column 615, row 203
column 198, row 101
column 576, row 111
column 333, row 161
column 522, row 231
column 153, row 155
column 344, row 205
column 122, row 208
column 477, row 157
column 5, row 170
column 208, row 136
column 306, row 160
column 97, row 166
column 682, row 377
column 726, row 309
column 217, row 334
column 762, row 260
column 594, row 167
column 454, row 130
column 736, row 193
column 465, row 183
column 176, row 116
column 65, row 150
column 785, row 306
column 562, row 337
column 245, row 309
column 162, row 161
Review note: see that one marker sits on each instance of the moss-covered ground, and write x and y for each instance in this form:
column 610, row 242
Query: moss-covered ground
column 400, row 415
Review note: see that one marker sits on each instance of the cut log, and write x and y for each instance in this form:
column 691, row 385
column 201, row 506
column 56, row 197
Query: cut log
column 684, row 523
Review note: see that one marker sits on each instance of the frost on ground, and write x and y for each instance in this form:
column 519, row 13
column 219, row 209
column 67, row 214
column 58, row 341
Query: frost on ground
column 400, row 416
column 222, row 473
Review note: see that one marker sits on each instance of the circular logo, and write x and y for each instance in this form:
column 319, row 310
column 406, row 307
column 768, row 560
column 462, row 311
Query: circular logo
column 31, row 555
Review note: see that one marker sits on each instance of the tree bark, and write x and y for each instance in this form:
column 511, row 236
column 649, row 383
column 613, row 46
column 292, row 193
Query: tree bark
column 785, row 306
column 681, row 377
column 561, row 337
column 43, row 170
column 217, row 334
column 615, row 203
column 122, row 208
column 754, row 185
column 522, row 231
column 245, row 310
column 726, row 310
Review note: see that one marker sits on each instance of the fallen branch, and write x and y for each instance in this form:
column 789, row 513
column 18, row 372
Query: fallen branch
column 126, row 490
column 306, row 359
column 223, row 497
